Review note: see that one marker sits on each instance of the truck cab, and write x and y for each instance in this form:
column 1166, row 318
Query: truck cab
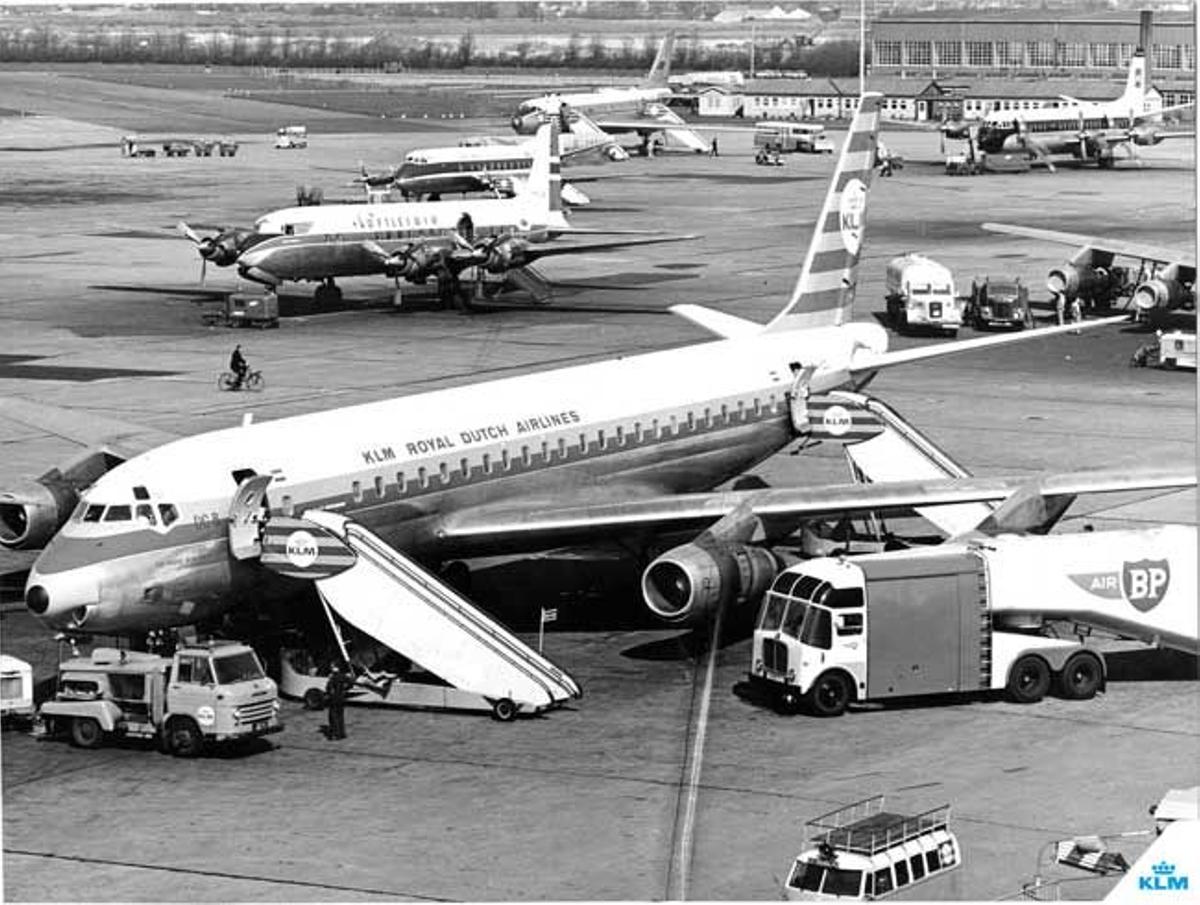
column 999, row 303
column 214, row 692
column 862, row 852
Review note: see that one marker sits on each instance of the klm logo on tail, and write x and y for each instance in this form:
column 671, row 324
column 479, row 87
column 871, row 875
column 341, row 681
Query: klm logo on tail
column 824, row 293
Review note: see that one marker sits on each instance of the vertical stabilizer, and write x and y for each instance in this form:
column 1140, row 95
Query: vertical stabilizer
column 824, row 293
column 544, row 192
column 661, row 69
column 1134, row 98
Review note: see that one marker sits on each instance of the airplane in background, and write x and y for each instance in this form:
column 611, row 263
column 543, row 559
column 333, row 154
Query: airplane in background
column 1084, row 130
column 1164, row 279
column 413, row 241
column 490, row 165
column 628, row 448
column 619, row 110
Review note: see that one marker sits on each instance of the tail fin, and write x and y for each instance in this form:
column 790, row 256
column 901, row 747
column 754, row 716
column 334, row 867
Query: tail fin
column 824, row 293
column 544, row 189
column 661, row 69
column 1134, row 98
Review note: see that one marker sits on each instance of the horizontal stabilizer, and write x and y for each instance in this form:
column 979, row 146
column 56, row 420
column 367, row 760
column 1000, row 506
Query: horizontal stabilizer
column 727, row 326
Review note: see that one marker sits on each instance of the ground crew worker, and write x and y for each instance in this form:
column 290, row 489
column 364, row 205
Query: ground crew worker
column 712, row 151
column 335, row 691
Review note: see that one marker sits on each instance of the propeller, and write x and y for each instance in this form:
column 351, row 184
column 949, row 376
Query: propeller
column 206, row 245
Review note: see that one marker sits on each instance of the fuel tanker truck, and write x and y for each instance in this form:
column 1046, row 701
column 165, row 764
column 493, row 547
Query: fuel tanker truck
column 920, row 295
column 970, row 616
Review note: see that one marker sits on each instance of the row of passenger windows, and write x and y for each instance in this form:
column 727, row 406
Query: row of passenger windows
column 831, row 881
column 490, row 464
column 144, row 512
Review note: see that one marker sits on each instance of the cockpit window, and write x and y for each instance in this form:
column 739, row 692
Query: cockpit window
column 93, row 513
column 145, row 512
column 169, row 513
column 118, row 514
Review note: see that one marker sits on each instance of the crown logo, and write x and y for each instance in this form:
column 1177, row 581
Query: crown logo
column 1162, row 868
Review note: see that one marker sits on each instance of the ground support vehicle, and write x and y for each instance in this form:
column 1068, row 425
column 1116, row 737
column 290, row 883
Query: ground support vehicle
column 971, row 616
column 291, row 137
column 862, row 852
column 246, row 309
column 963, row 165
column 178, row 148
column 785, row 137
column 16, row 689
column 1177, row 349
column 998, row 303
column 768, row 158
column 131, row 148
column 227, row 147
column 213, row 692
column 920, row 295
column 302, row 679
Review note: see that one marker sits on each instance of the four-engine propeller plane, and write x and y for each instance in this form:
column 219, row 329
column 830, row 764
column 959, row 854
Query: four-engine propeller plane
column 1084, row 130
column 631, row 447
column 412, row 241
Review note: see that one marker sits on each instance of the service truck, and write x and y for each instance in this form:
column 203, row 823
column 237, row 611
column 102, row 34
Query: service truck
column 970, row 616
column 16, row 689
column 804, row 138
column 211, row 692
column 920, row 295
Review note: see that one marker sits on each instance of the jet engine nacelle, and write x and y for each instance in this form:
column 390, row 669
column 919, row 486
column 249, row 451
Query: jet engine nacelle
column 1161, row 293
column 687, row 584
column 1145, row 135
column 31, row 513
column 1079, row 281
column 506, row 255
column 527, row 123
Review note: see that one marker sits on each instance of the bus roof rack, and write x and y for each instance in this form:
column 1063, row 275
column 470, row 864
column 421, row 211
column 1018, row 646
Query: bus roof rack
column 866, row 828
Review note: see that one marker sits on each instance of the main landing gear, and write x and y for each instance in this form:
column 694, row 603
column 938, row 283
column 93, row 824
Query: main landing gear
column 328, row 293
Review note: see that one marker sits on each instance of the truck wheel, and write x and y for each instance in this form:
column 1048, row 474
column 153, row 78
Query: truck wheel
column 504, row 710
column 830, row 695
column 184, row 738
column 1081, row 678
column 1029, row 680
column 314, row 699
column 86, row 733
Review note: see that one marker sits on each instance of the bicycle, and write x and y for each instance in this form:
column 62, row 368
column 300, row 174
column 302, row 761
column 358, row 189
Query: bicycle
column 228, row 381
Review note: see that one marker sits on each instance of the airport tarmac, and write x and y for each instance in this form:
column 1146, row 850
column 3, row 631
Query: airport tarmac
column 586, row 802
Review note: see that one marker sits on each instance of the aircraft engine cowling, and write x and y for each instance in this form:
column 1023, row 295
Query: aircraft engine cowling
column 1145, row 135
column 416, row 265
column 506, row 255
column 1078, row 280
column 687, row 584
column 31, row 513
column 1160, row 293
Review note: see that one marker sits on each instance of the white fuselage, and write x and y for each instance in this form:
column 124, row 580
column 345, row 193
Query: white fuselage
column 680, row 420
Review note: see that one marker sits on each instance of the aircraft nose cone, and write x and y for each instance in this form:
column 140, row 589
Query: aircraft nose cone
column 37, row 600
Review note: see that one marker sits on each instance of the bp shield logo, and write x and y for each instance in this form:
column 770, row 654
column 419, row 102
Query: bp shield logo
column 1145, row 582
column 850, row 214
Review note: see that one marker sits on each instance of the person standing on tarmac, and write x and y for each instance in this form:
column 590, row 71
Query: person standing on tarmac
column 335, row 691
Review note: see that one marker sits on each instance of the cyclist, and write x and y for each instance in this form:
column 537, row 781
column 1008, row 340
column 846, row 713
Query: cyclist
column 237, row 364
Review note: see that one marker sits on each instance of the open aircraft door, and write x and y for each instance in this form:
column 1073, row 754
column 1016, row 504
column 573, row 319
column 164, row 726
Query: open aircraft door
column 246, row 515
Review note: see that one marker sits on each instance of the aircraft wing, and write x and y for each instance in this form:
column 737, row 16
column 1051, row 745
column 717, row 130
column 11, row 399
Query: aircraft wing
column 535, row 252
column 1100, row 243
column 780, row 509
column 87, row 429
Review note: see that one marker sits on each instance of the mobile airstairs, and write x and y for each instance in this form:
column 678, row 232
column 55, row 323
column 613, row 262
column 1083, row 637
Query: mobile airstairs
column 388, row 597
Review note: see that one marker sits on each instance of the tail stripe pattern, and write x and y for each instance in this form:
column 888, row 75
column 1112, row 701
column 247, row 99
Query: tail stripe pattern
column 824, row 293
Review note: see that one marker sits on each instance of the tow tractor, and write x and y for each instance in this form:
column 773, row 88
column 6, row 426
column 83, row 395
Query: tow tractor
column 862, row 852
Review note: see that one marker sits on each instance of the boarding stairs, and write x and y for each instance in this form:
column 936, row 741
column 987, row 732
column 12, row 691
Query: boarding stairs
column 900, row 452
column 384, row 594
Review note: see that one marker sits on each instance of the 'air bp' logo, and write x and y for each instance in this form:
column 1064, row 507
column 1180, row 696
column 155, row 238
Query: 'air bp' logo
column 850, row 214
column 1143, row 583
column 301, row 549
